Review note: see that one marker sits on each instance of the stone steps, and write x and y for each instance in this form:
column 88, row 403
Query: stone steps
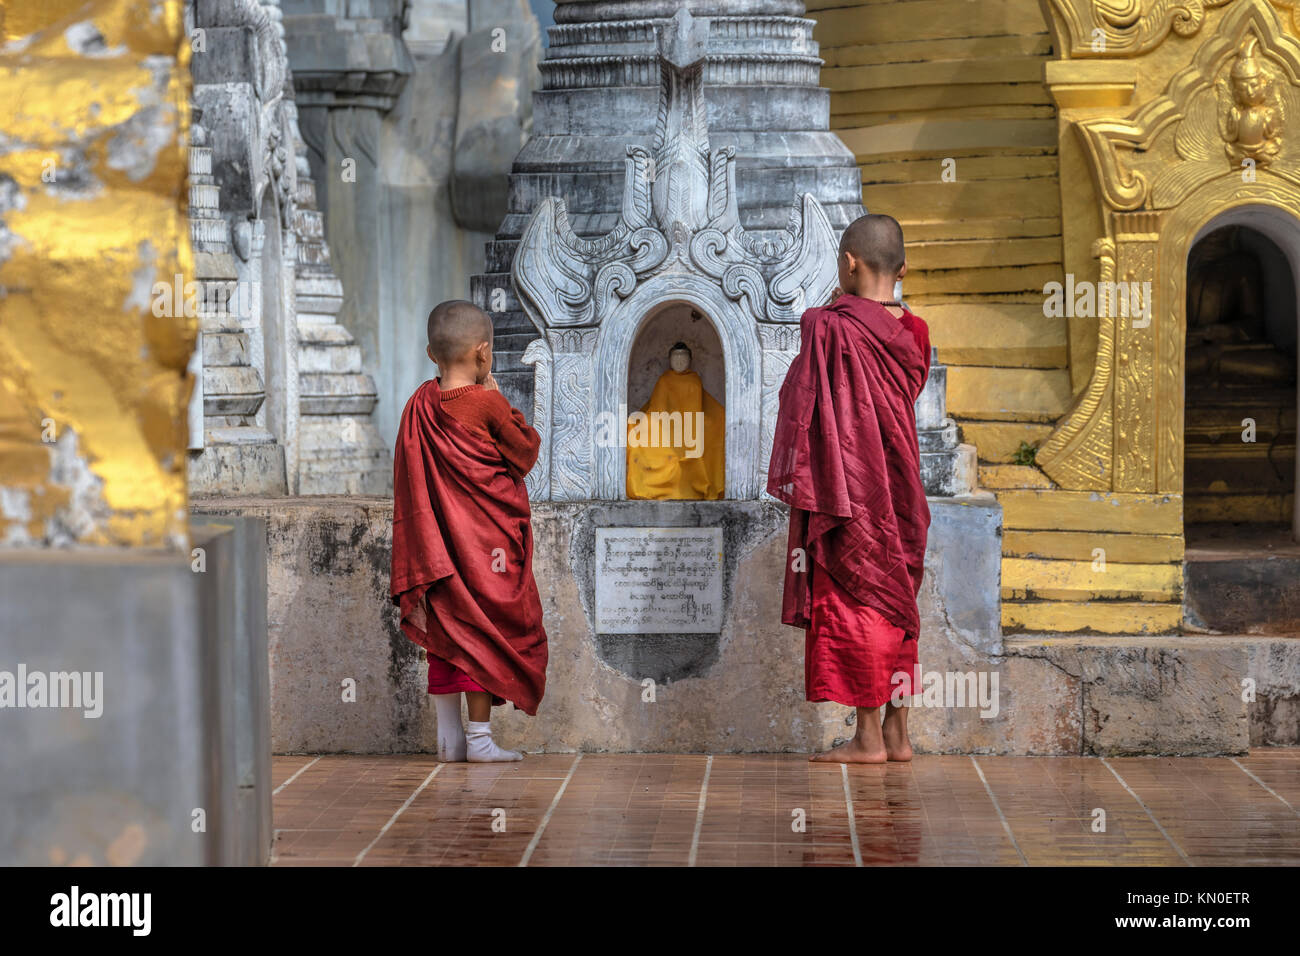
column 980, row 249
column 225, row 349
column 241, row 468
column 515, row 342
column 998, row 442
column 494, row 292
column 327, row 348
column 1243, row 579
column 1065, row 568
column 995, row 334
column 335, row 393
column 232, row 390
column 1002, row 477
column 220, row 323
column 1099, row 617
column 1083, row 546
column 1008, row 394
column 238, row 435
column 318, row 292
column 1026, row 579
column 500, row 255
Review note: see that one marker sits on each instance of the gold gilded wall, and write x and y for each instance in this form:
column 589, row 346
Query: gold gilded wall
column 93, row 386
column 1146, row 91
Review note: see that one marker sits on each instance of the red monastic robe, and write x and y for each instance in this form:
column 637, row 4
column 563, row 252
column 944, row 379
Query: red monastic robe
column 462, row 569
column 845, row 458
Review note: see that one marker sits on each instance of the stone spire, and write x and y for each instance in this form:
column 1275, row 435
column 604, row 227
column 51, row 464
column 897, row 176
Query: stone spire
column 678, row 238
column 600, row 91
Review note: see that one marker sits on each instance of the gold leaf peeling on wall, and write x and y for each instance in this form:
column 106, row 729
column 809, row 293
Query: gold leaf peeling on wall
column 93, row 388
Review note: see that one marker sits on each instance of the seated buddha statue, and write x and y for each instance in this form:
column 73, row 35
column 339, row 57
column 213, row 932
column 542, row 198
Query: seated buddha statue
column 676, row 443
column 1227, row 337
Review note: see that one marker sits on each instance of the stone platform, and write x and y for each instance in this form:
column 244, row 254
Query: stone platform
column 170, row 762
column 332, row 626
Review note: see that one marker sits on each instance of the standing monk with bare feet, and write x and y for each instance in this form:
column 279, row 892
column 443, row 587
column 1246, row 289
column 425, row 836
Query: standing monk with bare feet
column 845, row 459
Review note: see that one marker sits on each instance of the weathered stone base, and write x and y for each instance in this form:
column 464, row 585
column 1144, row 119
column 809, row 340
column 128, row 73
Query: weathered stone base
column 954, row 471
column 183, row 736
column 343, row 456
column 331, row 624
column 1126, row 695
column 246, row 469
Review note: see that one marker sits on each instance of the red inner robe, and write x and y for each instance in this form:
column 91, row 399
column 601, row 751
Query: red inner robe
column 462, row 570
column 845, row 458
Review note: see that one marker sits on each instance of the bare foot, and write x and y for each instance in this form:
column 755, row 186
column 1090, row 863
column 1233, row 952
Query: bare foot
column 894, row 729
column 852, row 751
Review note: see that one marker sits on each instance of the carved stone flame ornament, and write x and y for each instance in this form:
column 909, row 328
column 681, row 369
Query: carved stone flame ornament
column 678, row 239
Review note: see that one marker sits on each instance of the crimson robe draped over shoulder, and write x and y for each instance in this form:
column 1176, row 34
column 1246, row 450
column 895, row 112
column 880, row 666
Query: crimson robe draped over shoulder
column 845, row 458
column 462, row 536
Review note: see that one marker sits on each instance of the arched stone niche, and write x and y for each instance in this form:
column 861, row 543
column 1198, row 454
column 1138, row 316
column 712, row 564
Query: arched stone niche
column 741, row 365
column 581, row 391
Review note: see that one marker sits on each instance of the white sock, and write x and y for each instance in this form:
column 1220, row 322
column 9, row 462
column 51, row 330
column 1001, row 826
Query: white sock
column 451, row 735
column 481, row 747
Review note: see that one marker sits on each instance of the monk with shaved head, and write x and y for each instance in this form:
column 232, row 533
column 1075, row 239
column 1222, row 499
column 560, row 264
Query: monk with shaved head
column 462, row 568
column 845, row 458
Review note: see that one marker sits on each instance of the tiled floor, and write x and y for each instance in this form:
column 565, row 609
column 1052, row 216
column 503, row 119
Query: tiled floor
column 779, row 810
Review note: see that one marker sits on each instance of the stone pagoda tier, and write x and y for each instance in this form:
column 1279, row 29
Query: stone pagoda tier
column 600, row 95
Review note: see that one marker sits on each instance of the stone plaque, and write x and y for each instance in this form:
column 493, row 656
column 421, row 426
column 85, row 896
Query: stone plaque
column 658, row 580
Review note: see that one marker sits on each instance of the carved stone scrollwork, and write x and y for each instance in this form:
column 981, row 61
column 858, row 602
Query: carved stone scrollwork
column 780, row 346
column 538, row 355
column 1078, row 453
column 1125, row 28
column 1129, row 27
column 1229, row 105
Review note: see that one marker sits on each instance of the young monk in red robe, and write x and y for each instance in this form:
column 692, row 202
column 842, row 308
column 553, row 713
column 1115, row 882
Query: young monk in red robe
column 846, row 460
column 462, row 569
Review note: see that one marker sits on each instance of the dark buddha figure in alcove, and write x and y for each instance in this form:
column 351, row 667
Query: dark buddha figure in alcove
column 1241, row 375
column 1228, row 342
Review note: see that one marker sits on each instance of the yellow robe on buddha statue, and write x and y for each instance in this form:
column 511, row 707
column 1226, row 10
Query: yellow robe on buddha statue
column 668, row 455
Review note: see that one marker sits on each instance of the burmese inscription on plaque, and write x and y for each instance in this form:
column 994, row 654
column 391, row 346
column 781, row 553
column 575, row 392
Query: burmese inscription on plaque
column 658, row 580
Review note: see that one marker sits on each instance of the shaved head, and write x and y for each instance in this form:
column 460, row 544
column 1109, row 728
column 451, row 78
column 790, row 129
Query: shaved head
column 456, row 328
column 877, row 241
